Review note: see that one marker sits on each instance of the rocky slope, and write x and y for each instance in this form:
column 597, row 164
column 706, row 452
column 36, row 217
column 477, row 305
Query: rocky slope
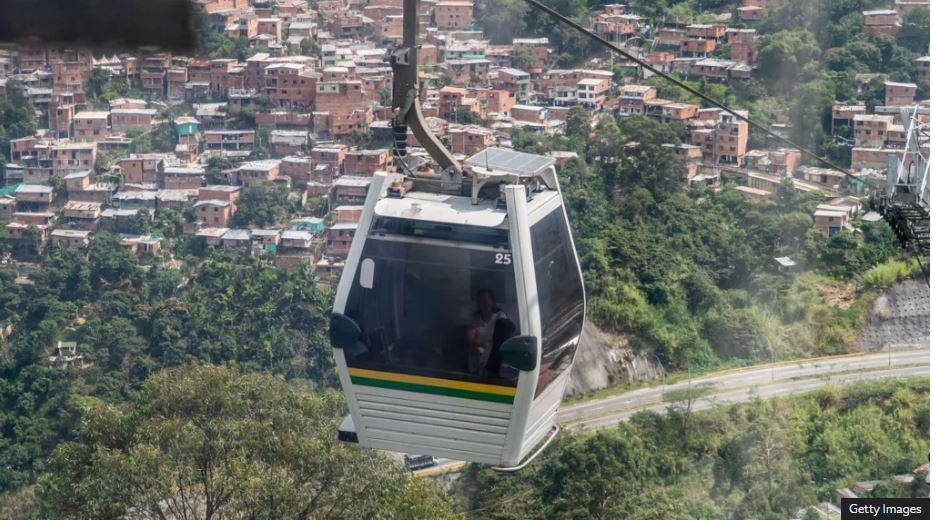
column 605, row 359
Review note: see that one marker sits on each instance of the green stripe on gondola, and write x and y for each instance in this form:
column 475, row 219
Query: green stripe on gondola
column 429, row 389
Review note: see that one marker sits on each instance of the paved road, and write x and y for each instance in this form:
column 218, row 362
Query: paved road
column 734, row 386
column 789, row 372
column 767, row 390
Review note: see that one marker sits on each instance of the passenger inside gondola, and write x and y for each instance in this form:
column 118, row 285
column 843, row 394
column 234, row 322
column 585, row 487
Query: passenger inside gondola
column 504, row 329
column 428, row 308
column 484, row 318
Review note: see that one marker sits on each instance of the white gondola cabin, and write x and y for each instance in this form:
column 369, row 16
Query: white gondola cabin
column 457, row 317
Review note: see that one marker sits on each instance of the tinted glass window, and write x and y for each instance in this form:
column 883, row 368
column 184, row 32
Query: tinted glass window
column 560, row 294
column 435, row 307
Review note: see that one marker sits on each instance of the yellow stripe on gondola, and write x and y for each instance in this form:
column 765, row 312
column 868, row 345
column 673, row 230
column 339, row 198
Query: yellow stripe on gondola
column 432, row 382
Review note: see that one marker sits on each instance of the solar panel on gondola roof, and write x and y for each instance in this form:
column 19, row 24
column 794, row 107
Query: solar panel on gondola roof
column 510, row 161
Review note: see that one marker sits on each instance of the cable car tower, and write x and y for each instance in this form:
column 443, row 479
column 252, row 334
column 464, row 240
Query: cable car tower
column 457, row 317
column 904, row 199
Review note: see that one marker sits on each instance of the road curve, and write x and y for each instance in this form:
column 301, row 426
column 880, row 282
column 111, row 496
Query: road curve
column 735, row 386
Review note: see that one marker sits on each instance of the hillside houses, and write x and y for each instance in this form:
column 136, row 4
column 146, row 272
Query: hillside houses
column 303, row 104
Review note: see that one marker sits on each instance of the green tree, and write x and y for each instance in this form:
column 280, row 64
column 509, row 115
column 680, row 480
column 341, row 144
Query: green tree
column 785, row 58
column 17, row 116
column 95, row 84
column 578, row 123
column 111, row 263
column 502, row 20
column 216, row 166
column 262, row 205
column 812, row 111
column 914, row 33
column 309, row 47
column 203, row 442
column 523, row 59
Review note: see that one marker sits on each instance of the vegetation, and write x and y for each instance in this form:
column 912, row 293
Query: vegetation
column 764, row 459
column 189, row 367
column 263, row 204
column 193, row 444
column 691, row 275
column 129, row 322
column 17, row 118
column 101, row 89
column 160, row 139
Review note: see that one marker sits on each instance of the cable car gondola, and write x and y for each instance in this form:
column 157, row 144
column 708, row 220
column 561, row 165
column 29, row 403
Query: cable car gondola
column 457, row 316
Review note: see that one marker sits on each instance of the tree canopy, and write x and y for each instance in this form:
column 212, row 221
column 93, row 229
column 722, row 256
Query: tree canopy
column 760, row 460
column 204, row 442
column 263, row 204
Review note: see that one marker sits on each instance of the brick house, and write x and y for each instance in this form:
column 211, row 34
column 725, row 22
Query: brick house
column 682, row 112
column 141, row 168
column 295, row 246
column 70, row 238
column 453, row 14
column 228, row 193
column 77, row 181
column 128, row 120
column 467, row 71
column 286, row 142
column 298, row 169
column 283, row 120
column 515, row 81
column 339, row 238
column 922, row 70
column 632, row 98
column 456, row 100
column 61, row 117
column 742, row 44
column 697, row 47
column 350, row 190
column 254, row 172
column 870, row 130
column 591, row 92
column 177, row 177
column 899, row 94
column 470, row 139
column 731, row 140
column 881, row 21
column 830, row 220
column 91, row 126
column 706, row 31
column 82, row 215
column 213, row 212
column 34, row 197
column 367, row 162
column 229, row 140
column 291, row 86
column 176, row 78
